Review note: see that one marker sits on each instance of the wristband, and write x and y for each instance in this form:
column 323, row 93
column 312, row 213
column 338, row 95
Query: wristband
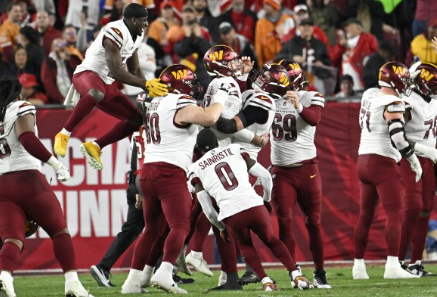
column 52, row 161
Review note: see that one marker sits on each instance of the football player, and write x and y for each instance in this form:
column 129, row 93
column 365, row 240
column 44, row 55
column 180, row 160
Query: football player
column 223, row 63
column 223, row 174
column 96, row 79
column 21, row 154
column 421, row 120
column 171, row 129
column 383, row 144
column 295, row 171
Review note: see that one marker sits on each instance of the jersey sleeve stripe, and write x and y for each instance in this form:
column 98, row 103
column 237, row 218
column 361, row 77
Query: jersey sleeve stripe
column 114, row 42
column 111, row 36
column 118, row 32
column 322, row 104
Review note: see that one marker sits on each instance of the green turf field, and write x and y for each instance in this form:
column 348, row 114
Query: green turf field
column 339, row 278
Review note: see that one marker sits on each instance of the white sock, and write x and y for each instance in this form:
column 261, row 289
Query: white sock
column 134, row 276
column 166, row 266
column 418, row 262
column 197, row 255
column 95, row 143
column 6, row 275
column 148, row 269
column 392, row 260
column 65, row 132
column 295, row 273
column 359, row 262
column 266, row 280
column 71, row 276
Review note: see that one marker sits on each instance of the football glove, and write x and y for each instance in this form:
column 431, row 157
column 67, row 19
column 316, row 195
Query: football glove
column 156, row 88
column 415, row 166
column 62, row 173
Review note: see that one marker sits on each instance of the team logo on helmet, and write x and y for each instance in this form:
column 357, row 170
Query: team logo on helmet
column 295, row 73
column 180, row 80
column 424, row 78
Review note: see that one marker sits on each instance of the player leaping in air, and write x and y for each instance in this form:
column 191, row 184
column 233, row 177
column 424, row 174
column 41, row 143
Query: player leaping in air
column 96, row 82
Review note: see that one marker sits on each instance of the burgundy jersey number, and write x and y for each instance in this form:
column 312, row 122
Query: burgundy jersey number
column 152, row 128
column 365, row 119
column 5, row 150
column 284, row 128
column 432, row 123
column 226, row 176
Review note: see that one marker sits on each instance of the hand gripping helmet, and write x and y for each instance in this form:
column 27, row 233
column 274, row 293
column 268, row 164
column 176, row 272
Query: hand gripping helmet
column 218, row 60
column 395, row 75
column 424, row 76
column 297, row 79
column 273, row 79
column 180, row 80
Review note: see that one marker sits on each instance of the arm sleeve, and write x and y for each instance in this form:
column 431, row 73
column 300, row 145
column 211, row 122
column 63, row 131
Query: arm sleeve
column 397, row 135
column 244, row 135
column 311, row 115
column 208, row 209
column 249, row 115
column 34, row 146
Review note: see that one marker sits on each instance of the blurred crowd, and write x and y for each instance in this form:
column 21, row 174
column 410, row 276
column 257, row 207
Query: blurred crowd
column 341, row 44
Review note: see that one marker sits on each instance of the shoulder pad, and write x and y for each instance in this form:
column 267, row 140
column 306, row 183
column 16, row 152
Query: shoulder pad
column 261, row 100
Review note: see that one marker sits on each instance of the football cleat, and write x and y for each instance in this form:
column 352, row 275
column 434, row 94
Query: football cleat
column 418, row 269
column 199, row 264
column 164, row 281
column 359, row 272
column 92, row 153
column 270, row 287
column 228, row 286
column 396, row 272
column 7, row 286
column 75, row 289
column 320, row 281
column 146, row 276
column 181, row 264
column 300, row 271
column 249, row 277
column 182, row 281
column 223, row 278
column 300, row 281
column 61, row 144
column 101, row 276
column 132, row 288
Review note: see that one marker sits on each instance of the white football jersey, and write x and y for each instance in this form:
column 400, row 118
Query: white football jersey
column 232, row 106
column 167, row 141
column 95, row 59
column 257, row 99
column 13, row 156
column 422, row 126
column 375, row 138
column 223, row 174
column 291, row 138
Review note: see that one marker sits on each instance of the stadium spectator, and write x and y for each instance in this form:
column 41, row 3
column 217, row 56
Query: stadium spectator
column 9, row 31
column 347, row 87
column 57, row 72
column 426, row 13
column 192, row 44
column 325, row 16
column 158, row 28
column 383, row 55
column 29, row 39
column 204, row 18
column 270, row 30
column 91, row 10
column 242, row 19
column 27, row 17
column 349, row 53
column 237, row 42
column 31, row 90
column 305, row 48
column 421, row 49
column 70, row 36
column 112, row 13
column 301, row 13
column 47, row 33
column 82, row 41
column 19, row 64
